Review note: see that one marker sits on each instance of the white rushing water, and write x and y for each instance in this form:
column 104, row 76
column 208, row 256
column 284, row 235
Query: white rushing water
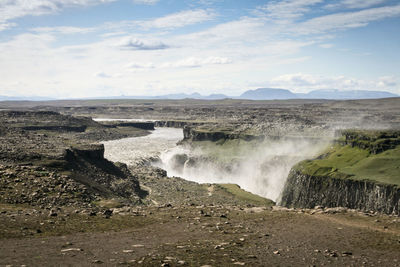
column 260, row 169
column 134, row 149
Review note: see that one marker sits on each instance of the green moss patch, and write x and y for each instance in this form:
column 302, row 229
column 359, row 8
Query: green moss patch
column 345, row 161
column 243, row 195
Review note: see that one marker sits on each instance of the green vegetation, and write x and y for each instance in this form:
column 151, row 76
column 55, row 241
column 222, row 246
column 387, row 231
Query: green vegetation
column 358, row 159
column 243, row 195
column 227, row 150
column 373, row 141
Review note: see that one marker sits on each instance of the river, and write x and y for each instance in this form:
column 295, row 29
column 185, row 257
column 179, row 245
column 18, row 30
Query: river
column 134, row 149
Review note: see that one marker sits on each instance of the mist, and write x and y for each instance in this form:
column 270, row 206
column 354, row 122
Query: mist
column 258, row 167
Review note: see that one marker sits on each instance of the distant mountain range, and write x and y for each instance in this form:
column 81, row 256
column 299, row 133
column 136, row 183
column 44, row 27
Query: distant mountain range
column 279, row 94
column 257, row 94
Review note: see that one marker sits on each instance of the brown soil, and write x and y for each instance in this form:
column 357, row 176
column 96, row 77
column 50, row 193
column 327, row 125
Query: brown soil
column 211, row 235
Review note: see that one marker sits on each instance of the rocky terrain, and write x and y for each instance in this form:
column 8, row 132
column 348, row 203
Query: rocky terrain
column 274, row 118
column 63, row 203
column 48, row 160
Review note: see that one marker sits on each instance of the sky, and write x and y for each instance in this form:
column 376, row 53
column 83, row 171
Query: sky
column 98, row 48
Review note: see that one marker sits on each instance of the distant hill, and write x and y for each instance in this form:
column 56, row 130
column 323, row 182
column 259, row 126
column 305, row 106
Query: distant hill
column 348, row 94
column 268, row 94
column 216, row 96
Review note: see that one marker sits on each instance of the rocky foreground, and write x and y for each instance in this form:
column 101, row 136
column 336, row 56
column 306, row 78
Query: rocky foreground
column 199, row 236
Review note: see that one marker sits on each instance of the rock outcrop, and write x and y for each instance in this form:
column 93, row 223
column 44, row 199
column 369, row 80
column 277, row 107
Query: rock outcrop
column 47, row 158
column 176, row 124
column 195, row 134
column 89, row 167
column 374, row 141
column 137, row 124
column 305, row 191
column 360, row 171
column 90, row 151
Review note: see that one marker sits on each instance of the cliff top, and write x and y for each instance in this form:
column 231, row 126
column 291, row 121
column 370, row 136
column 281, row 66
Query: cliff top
column 360, row 155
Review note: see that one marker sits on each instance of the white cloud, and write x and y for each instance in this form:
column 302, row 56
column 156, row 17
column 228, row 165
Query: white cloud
column 388, row 81
column 145, row 2
column 290, row 14
column 63, row 30
column 288, row 9
column 101, row 75
column 296, row 80
column 301, row 82
column 354, row 4
column 180, row 19
column 190, row 62
column 131, row 43
column 195, row 62
column 136, row 65
column 229, row 35
column 342, row 21
column 168, row 22
column 12, row 9
column 6, row 25
column 326, row 45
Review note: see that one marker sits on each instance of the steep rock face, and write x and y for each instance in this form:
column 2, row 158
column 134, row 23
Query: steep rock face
column 194, row 134
column 89, row 167
column 139, row 125
column 374, row 141
column 78, row 129
column 305, row 191
column 90, row 151
column 175, row 124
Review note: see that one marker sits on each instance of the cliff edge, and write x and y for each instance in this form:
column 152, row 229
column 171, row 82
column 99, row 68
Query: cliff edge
column 361, row 171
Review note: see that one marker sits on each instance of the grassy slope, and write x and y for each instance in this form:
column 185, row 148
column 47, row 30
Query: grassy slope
column 355, row 163
column 226, row 150
column 241, row 194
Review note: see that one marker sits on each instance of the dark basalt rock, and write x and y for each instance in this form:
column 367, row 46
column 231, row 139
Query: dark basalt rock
column 92, row 169
column 194, row 134
column 176, row 124
column 304, row 191
column 376, row 141
column 139, row 125
column 78, row 129
column 90, row 151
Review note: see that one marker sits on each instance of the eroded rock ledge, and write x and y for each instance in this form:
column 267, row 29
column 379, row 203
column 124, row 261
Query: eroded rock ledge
column 305, row 191
column 360, row 171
